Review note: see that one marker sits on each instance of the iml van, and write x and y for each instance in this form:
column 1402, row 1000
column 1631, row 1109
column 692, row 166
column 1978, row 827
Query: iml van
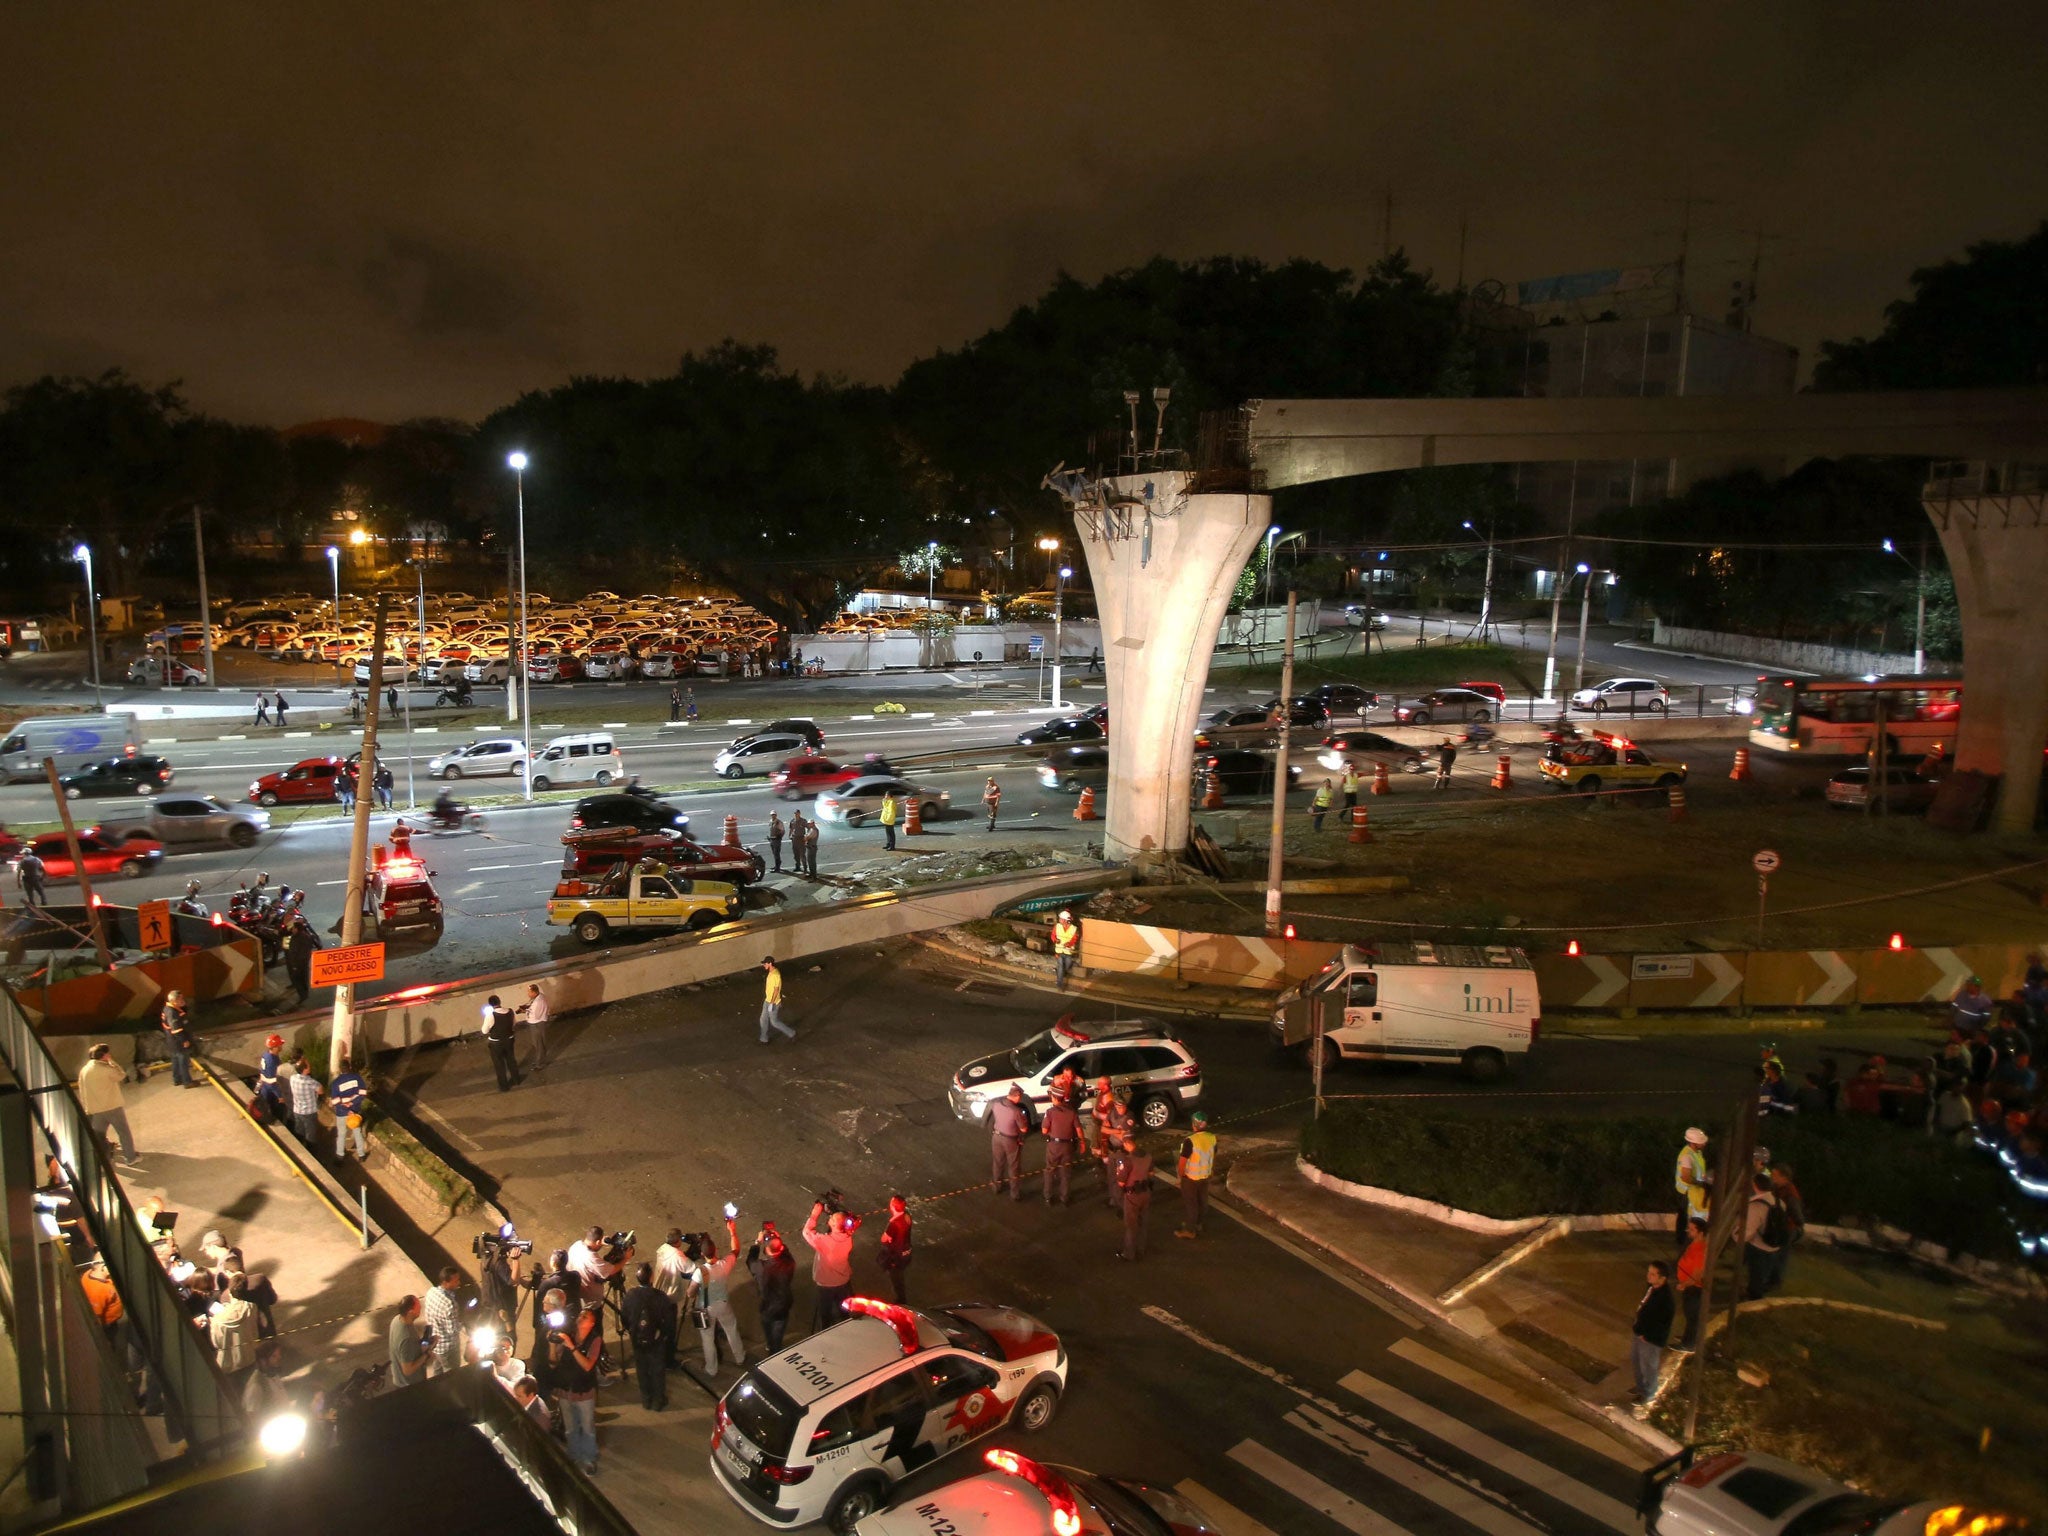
column 1476, row 1005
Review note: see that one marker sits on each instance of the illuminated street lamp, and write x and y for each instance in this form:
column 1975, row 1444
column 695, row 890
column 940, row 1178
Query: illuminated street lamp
column 83, row 555
column 334, row 570
column 1919, row 603
column 517, row 460
column 1059, row 593
column 1051, row 546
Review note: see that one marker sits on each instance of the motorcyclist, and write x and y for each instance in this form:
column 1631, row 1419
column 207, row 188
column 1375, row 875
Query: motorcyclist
column 447, row 809
column 189, row 903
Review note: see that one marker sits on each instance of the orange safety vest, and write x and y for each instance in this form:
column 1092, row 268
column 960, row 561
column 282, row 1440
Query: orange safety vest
column 1065, row 937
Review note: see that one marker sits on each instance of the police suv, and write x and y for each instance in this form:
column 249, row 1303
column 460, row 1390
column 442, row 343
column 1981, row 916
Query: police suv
column 1141, row 1055
column 822, row 1430
column 1017, row 1496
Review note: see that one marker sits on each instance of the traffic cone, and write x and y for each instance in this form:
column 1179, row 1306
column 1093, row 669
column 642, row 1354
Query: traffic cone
column 1380, row 786
column 732, row 831
column 1085, row 811
column 1678, row 802
column 1212, row 793
column 1360, row 832
column 913, row 820
column 1740, row 772
column 1502, row 778
column 1930, row 765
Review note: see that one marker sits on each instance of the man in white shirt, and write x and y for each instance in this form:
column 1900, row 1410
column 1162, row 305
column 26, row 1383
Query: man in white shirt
column 587, row 1259
column 537, row 1014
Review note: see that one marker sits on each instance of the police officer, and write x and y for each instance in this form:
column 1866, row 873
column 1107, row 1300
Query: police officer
column 1134, row 1182
column 1066, row 944
column 992, row 799
column 177, row 1027
column 1062, row 1135
column 401, row 839
column 189, row 904
column 1009, row 1123
column 1196, row 1162
column 1112, row 1123
column 268, row 1093
column 775, row 840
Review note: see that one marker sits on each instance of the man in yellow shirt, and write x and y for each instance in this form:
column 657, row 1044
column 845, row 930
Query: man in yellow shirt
column 1691, row 1179
column 771, row 1002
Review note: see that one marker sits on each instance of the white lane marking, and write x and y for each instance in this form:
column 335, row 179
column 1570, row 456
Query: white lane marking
column 333, row 882
column 1312, row 1491
column 1455, row 1431
column 477, row 869
column 1387, row 1444
column 1502, row 1395
column 1227, row 1519
column 1467, row 1506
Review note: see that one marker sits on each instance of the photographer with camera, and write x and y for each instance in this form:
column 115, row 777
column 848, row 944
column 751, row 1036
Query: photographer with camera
column 831, row 1258
column 500, row 1255
column 574, row 1352
column 557, row 1277
column 598, row 1260
column 773, row 1267
column 649, row 1314
column 710, row 1296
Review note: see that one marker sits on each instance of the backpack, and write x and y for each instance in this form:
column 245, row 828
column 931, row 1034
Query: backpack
column 1777, row 1230
column 647, row 1330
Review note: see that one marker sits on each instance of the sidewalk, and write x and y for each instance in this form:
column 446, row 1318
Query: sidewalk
column 1106, row 986
column 1562, row 1313
column 201, row 1154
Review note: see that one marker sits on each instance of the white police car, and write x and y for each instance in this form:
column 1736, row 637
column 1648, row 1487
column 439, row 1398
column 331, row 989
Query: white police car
column 1141, row 1056
column 1017, row 1496
column 822, row 1429
column 1745, row 1493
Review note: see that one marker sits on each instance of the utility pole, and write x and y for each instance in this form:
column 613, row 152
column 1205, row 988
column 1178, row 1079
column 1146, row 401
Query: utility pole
column 1585, row 610
column 1920, row 612
column 92, row 910
column 341, row 1036
column 1275, row 854
column 1564, row 555
column 1730, row 1207
column 205, row 608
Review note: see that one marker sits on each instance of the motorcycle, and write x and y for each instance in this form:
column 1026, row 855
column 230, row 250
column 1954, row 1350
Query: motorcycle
column 459, row 698
column 453, row 816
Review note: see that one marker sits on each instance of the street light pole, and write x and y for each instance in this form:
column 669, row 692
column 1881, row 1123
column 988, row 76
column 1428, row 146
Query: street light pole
column 205, row 607
column 1486, row 586
column 1059, row 599
column 517, row 459
column 1585, row 607
column 83, row 555
column 1919, row 603
column 412, row 798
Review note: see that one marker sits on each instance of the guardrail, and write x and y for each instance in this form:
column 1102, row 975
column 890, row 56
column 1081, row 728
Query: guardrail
column 447, row 1010
column 196, row 1397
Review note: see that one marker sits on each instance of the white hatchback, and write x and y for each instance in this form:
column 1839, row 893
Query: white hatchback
column 494, row 756
column 823, row 1429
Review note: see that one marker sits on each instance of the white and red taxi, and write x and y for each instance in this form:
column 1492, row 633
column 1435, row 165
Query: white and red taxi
column 822, row 1429
column 1021, row 1497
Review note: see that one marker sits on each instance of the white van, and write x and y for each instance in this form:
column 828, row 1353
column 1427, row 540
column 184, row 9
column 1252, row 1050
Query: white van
column 73, row 740
column 1477, row 1006
column 588, row 758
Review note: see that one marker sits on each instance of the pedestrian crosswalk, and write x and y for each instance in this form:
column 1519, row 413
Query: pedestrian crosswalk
column 1417, row 1445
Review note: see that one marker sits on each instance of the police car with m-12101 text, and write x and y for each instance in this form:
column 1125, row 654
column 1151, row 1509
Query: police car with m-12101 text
column 823, row 1429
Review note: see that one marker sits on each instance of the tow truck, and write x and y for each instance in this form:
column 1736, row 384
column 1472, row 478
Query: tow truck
column 1607, row 761
column 589, row 850
column 643, row 895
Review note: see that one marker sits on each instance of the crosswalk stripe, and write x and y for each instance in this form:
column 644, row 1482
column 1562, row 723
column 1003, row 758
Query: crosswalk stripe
column 1312, row 1491
column 1396, row 1468
column 1227, row 1519
column 1560, row 1424
column 1453, row 1431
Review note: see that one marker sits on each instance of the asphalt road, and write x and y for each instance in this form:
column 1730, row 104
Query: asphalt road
column 1226, row 1362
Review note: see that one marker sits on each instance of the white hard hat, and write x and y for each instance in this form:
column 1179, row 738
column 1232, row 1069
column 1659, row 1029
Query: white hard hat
column 1695, row 1137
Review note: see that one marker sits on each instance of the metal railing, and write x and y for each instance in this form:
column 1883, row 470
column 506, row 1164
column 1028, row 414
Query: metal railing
column 197, row 1405
column 535, row 1455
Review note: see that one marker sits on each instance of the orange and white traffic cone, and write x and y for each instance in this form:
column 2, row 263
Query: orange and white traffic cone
column 1930, row 765
column 1085, row 811
column 732, row 831
column 913, row 820
column 1212, row 793
column 1678, row 802
column 1502, row 778
column 1740, row 772
column 1380, row 786
column 1360, row 832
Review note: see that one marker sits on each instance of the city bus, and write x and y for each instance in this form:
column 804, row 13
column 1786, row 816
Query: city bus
column 1835, row 716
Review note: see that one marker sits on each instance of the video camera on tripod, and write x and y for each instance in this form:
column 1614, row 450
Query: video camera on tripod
column 503, row 1243
column 619, row 1245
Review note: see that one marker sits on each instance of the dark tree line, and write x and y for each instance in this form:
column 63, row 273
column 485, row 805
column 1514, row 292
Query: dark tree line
column 792, row 490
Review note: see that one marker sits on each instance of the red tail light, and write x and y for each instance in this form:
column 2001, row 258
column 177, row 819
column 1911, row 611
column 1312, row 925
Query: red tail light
column 1535, row 1029
column 784, row 1475
column 1188, row 1069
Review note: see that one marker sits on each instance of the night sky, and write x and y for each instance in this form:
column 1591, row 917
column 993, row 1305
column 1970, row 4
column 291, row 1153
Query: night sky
column 395, row 209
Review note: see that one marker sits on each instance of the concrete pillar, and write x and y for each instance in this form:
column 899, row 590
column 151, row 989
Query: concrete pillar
column 1997, row 550
column 1163, row 562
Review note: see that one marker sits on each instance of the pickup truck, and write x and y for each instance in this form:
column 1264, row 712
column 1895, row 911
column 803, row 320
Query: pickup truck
column 1607, row 762
column 595, row 850
column 642, row 897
